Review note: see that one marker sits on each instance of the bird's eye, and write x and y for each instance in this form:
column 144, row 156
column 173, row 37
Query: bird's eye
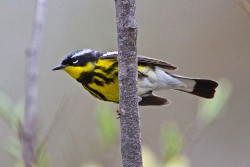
column 74, row 61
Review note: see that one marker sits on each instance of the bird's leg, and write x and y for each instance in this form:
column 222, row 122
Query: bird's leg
column 120, row 112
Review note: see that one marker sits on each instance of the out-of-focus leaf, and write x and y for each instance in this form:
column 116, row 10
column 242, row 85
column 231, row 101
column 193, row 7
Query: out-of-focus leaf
column 172, row 141
column 210, row 109
column 91, row 165
column 178, row 161
column 21, row 164
column 148, row 157
column 107, row 124
column 14, row 148
column 6, row 108
column 42, row 157
column 13, row 115
column 18, row 114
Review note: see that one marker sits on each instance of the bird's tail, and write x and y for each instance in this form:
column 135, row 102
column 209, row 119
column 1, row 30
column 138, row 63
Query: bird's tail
column 199, row 87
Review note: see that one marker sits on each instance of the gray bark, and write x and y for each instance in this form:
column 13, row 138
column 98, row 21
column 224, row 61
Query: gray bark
column 28, row 131
column 127, row 60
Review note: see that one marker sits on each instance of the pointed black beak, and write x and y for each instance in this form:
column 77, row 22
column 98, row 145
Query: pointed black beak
column 60, row 67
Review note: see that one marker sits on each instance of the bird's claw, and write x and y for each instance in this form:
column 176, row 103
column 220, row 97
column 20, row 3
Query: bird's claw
column 118, row 111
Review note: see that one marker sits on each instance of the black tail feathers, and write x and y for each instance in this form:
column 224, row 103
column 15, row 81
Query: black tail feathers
column 200, row 87
column 204, row 88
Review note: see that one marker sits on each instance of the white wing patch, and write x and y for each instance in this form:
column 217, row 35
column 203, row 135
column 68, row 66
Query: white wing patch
column 110, row 53
column 85, row 51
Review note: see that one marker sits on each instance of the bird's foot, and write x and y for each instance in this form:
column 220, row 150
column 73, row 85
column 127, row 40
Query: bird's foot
column 119, row 112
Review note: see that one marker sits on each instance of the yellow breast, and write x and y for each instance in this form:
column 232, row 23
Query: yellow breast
column 76, row 71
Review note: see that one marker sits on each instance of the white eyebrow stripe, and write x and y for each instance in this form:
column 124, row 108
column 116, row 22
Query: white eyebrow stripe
column 81, row 53
column 110, row 53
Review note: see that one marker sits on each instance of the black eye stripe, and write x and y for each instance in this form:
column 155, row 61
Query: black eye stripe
column 80, row 58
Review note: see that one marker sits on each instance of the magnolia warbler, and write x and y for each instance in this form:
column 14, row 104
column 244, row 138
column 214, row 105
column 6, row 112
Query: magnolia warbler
column 98, row 73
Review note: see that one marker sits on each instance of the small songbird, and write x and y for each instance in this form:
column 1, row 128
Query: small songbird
column 98, row 73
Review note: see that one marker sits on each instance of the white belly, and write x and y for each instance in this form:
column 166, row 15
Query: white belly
column 157, row 80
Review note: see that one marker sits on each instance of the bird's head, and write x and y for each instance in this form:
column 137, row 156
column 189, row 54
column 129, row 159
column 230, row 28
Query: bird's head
column 78, row 62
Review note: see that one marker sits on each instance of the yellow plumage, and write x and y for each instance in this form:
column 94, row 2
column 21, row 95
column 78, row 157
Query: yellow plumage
column 98, row 73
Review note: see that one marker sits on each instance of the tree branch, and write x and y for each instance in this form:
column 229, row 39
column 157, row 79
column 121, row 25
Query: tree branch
column 128, row 104
column 245, row 5
column 28, row 131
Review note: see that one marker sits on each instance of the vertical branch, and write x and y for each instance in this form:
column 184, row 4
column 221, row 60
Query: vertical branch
column 28, row 133
column 128, row 104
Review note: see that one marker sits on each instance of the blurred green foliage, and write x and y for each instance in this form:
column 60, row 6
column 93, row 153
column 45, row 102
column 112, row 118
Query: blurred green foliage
column 13, row 115
column 172, row 141
column 172, row 144
column 10, row 112
column 149, row 158
column 107, row 125
column 91, row 165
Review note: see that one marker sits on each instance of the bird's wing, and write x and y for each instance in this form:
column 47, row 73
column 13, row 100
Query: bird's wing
column 155, row 62
column 142, row 60
column 109, row 55
column 150, row 99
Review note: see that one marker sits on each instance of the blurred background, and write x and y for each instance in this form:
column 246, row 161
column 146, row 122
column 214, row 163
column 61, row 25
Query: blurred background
column 206, row 39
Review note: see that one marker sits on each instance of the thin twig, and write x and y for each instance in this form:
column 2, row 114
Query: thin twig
column 245, row 5
column 28, row 134
column 128, row 103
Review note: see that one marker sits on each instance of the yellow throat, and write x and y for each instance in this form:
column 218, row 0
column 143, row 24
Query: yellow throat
column 76, row 71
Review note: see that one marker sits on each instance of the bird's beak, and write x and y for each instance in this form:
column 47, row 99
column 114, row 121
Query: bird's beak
column 60, row 67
